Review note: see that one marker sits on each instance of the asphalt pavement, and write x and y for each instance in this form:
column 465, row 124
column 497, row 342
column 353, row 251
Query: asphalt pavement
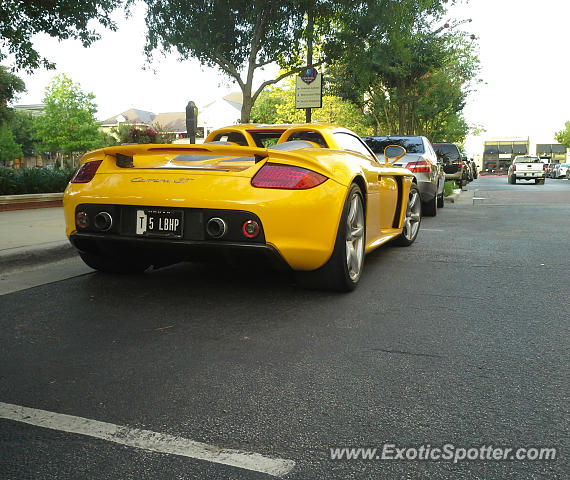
column 460, row 339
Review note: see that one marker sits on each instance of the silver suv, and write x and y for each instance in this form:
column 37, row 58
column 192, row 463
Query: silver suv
column 421, row 160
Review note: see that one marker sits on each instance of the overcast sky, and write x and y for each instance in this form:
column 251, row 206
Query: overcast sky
column 524, row 48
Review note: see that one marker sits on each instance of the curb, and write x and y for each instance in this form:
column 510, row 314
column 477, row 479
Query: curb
column 13, row 258
column 453, row 197
column 32, row 200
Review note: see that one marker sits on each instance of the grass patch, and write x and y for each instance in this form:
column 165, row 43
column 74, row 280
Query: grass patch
column 448, row 187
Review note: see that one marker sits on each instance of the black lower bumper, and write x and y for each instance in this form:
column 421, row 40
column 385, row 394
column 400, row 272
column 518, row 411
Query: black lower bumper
column 161, row 252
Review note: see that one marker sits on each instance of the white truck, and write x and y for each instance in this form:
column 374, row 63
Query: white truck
column 527, row 167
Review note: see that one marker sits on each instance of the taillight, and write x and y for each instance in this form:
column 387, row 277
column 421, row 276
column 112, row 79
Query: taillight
column 514, row 168
column 544, row 166
column 86, row 172
column 288, row 177
column 419, row 167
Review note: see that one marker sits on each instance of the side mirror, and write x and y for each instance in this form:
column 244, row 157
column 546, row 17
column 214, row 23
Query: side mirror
column 393, row 153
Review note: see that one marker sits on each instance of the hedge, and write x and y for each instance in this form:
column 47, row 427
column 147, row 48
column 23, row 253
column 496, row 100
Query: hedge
column 33, row 180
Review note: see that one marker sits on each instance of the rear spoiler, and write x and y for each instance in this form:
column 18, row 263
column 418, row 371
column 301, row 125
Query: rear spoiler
column 124, row 155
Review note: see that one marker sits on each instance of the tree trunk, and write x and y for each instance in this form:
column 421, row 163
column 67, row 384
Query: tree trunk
column 246, row 107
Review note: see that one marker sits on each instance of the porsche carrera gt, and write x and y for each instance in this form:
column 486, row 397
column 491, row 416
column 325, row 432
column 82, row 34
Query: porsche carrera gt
column 310, row 198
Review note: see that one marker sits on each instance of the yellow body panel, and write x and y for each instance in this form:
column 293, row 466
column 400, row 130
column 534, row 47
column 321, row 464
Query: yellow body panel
column 301, row 225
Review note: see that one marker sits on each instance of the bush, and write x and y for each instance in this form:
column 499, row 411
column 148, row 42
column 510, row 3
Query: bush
column 33, row 180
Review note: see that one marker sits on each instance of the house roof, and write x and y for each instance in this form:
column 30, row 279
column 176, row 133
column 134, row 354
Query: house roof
column 173, row 121
column 133, row 116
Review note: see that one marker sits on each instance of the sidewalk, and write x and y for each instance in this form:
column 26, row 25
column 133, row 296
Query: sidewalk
column 32, row 236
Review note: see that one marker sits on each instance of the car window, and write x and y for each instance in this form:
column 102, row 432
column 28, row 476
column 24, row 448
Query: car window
column 350, row 142
column 411, row 144
column 266, row 138
column 527, row 160
column 447, row 151
column 309, row 136
column 234, row 137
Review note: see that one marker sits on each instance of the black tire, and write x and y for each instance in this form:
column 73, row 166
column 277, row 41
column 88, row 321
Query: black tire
column 441, row 199
column 429, row 209
column 336, row 275
column 113, row 264
column 513, row 179
column 413, row 217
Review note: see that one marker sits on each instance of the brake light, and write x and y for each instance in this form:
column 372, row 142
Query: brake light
column 86, row 172
column 419, row 167
column 287, row 177
column 514, row 168
column 544, row 166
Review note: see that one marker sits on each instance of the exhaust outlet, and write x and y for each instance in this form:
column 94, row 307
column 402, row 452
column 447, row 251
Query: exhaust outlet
column 216, row 227
column 103, row 221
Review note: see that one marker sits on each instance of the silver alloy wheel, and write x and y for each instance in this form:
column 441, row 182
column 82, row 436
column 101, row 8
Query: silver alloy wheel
column 413, row 216
column 355, row 237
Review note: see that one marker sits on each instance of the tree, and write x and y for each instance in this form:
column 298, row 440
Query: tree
column 277, row 105
column 24, row 129
column 68, row 124
column 10, row 87
column 62, row 19
column 563, row 136
column 414, row 79
column 239, row 36
column 9, row 149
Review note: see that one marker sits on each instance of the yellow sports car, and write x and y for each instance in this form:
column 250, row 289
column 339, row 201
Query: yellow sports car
column 311, row 198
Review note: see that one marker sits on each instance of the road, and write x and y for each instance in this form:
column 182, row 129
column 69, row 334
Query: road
column 460, row 339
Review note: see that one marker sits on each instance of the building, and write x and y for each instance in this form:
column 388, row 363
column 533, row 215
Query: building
column 219, row 113
column 551, row 152
column 498, row 153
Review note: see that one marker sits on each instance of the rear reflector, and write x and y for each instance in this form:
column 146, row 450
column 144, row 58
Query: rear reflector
column 287, row 177
column 419, row 167
column 86, row 172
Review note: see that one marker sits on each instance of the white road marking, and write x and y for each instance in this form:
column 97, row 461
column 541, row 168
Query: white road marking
column 479, row 198
column 146, row 440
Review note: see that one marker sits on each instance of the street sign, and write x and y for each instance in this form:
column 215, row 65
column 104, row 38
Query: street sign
column 309, row 89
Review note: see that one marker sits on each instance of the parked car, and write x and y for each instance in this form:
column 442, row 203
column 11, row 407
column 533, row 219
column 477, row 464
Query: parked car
column 472, row 168
column 548, row 169
column 453, row 166
column 560, row 170
column 526, row 167
column 421, row 160
column 305, row 208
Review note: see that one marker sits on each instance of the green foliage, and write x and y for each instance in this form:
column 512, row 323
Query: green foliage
column 414, row 78
column 9, row 149
column 239, row 36
column 10, row 87
column 69, row 123
column 448, row 187
column 33, row 180
column 24, row 128
column 277, row 105
column 20, row 20
column 563, row 136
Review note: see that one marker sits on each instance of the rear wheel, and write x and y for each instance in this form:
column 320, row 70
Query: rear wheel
column 412, row 219
column 343, row 270
column 429, row 209
column 113, row 264
column 440, row 198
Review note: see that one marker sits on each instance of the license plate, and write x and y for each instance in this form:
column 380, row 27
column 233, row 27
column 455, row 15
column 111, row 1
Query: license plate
column 160, row 223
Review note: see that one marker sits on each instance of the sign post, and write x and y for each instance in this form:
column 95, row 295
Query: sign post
column 309, row 90
column 191, row 121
